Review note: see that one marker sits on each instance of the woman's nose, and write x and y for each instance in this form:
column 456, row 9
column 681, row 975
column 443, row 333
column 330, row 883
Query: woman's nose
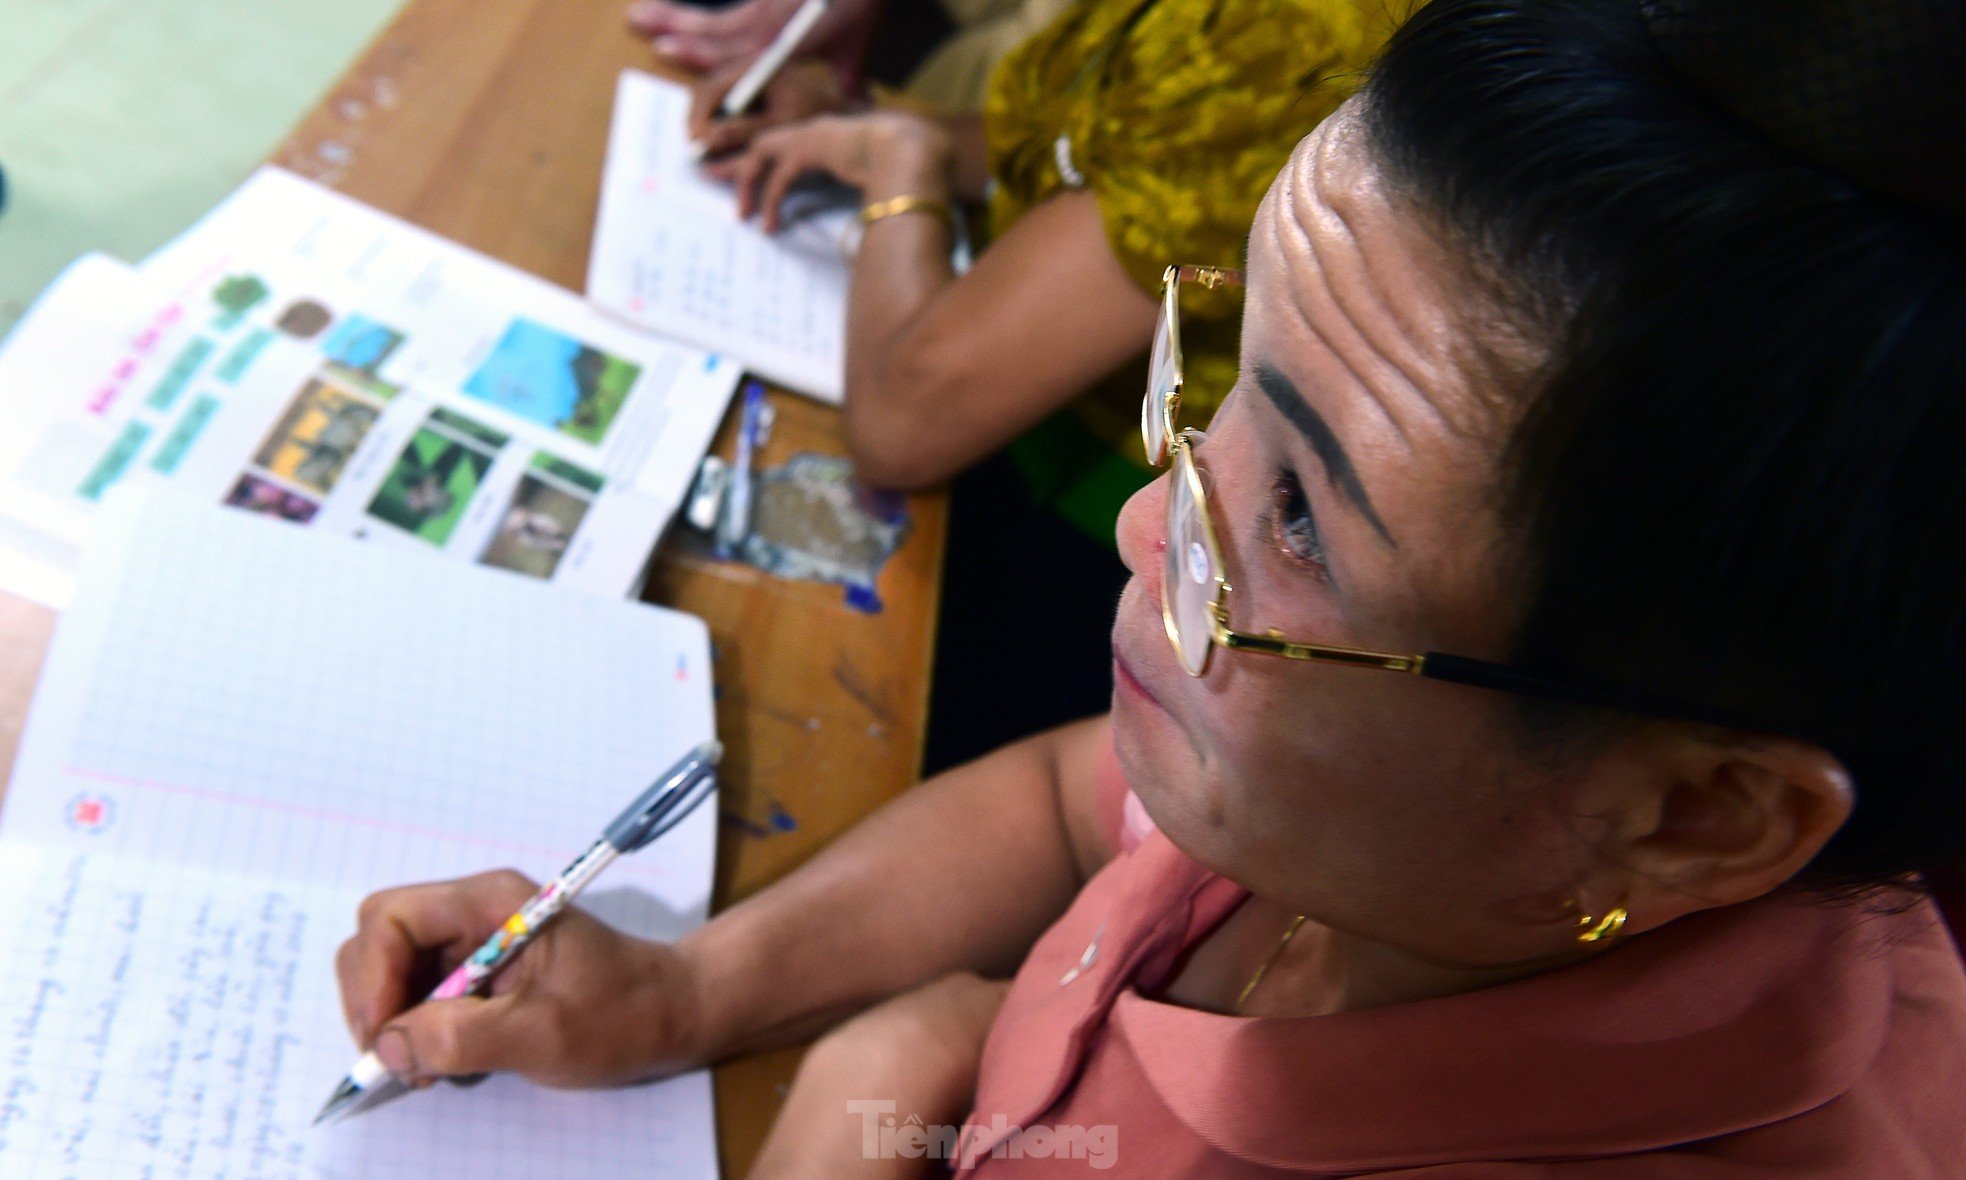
column 1142, row 531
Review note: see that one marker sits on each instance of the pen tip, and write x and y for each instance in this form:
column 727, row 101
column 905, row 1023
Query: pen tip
column 343, row 1094
column 713, row 750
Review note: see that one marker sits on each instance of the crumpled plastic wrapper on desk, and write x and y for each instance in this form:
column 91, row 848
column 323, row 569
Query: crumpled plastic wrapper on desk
column 810, row 520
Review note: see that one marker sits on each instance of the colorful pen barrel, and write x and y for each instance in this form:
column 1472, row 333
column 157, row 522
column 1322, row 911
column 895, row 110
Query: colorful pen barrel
column 521, row 926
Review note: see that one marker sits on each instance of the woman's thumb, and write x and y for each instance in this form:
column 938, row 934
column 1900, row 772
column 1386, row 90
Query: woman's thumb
column 446, row 1038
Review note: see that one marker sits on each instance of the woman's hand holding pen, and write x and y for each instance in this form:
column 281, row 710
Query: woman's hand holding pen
column 801, row 90
column 585, row 1005
column 882, row 153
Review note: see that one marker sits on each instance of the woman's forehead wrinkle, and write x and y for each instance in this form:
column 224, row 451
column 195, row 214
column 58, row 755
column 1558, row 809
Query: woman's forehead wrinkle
column 1403, row 346
column 1318, row 311
column 1380, row 355
column 1321, row 307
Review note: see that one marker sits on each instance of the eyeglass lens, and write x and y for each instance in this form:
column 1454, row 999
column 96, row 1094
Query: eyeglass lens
column 1163, row 377
column 1188, row 576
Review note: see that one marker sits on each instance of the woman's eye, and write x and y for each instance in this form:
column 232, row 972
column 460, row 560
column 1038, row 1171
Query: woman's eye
column 1291, row 523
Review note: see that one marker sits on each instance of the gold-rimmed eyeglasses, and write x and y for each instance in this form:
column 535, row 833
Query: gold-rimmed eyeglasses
column 1195, row 585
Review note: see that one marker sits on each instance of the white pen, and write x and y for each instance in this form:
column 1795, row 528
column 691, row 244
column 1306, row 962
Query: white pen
column 752, row 83
column 662, row 806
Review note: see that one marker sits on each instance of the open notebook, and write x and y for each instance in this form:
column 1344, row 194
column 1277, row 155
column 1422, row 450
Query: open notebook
column 671, row 254
column 243, row 728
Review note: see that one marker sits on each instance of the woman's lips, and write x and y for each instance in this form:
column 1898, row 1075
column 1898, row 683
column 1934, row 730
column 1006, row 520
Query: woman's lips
column 1123, row 675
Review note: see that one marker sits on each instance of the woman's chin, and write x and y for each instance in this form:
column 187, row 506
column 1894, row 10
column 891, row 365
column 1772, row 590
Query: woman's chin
column 1144, row 736
column 1159, row 766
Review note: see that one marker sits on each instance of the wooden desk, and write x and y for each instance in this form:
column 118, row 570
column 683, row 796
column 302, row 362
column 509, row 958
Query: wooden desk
column 487, row 123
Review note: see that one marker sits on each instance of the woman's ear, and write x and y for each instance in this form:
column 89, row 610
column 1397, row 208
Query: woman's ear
column 1704, row 820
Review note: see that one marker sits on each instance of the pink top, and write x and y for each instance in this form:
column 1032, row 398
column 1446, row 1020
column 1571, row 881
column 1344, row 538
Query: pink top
column 1781, row 1037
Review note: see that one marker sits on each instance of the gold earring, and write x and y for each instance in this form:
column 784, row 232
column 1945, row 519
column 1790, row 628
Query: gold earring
column 1592, row 930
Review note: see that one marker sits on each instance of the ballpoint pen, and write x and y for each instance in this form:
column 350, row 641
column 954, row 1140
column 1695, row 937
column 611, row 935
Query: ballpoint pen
column 754, row 80
column 662, row 806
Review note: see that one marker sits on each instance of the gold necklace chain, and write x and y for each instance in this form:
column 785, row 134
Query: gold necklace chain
column 1276, row 952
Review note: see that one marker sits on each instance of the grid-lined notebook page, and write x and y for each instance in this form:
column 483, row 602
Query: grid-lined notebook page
column 233, row 694
column 242, row 728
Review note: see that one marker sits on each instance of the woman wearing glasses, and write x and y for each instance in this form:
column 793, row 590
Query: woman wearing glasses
column 1538, row 691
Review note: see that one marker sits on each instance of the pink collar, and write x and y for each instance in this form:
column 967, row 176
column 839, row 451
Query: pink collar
column 1718, row 1023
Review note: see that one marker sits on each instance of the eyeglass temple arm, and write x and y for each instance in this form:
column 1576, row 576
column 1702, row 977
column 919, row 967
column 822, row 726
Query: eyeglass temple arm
column 1210, row 277
column 1475, row 673
column 1322, row 653
column 1483, row 674
column 1436, row 665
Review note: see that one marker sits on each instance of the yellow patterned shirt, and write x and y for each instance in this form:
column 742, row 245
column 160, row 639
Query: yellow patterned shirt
column 1176, row 115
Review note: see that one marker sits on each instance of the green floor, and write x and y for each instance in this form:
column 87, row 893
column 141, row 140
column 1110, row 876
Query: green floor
column 121, row 121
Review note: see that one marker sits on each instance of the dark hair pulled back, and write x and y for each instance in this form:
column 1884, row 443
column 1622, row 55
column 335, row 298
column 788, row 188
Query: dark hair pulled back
column 1740, row 478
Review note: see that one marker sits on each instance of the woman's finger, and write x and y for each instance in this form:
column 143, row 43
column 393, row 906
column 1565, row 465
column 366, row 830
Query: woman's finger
column 699, row 53
column 373, row 980
column 468, row 1035
column 751, row 171
column 707, row 95
column 397, row 930
column 731, row 168
column 785, row 172
column 656, row 18
column 729, row 135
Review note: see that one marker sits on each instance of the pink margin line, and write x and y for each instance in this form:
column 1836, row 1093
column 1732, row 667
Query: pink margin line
column 309, row 812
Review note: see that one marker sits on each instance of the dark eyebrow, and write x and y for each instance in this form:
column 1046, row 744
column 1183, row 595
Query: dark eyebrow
column 1337, row 465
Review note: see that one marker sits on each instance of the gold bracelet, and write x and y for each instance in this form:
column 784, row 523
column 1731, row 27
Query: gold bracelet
column 869, row 214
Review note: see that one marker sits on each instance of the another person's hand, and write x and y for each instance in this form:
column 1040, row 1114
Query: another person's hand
column 584, row 1005
column 883, row 154
column 712, row 39
column 919, row 1050
column 801, row 90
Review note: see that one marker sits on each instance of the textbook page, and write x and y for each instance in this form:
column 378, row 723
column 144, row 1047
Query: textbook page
column 60, row 344
column 242, row 729
column 670, row 252
column 300, row 355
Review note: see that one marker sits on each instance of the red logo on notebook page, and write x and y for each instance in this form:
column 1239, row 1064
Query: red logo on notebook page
column 90, row 813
